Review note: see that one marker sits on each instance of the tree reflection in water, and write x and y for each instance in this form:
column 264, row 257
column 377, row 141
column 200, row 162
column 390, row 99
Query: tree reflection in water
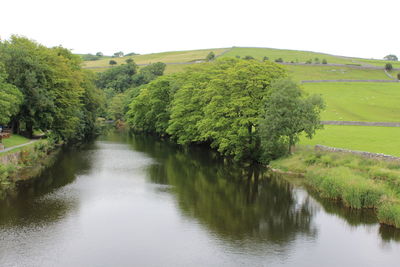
column 237, row 203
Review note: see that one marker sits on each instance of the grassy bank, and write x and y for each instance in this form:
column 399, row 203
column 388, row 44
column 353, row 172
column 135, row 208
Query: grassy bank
column 15, row 140
column 356, row 181
column 23, row 163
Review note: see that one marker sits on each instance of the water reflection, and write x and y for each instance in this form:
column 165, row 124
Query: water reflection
column 237, row 203
column 24, row 206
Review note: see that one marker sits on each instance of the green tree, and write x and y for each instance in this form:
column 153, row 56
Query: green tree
column 288, row 113
column 210, row 56
column 388, row 66
column 129, row 60
column 10, row 98
column 279, row 60
column 391, row 57
column 99, row 54
column 265, row 58
column 116, row 110
column 324, row 61
column 117, row 79
column 112, row 62
column 118, row 54
column 248, row 58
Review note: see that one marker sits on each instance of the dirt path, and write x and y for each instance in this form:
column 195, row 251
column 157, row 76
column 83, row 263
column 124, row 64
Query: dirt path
column 22, row 145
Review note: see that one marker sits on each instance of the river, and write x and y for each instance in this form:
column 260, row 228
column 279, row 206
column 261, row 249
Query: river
column 137, row 201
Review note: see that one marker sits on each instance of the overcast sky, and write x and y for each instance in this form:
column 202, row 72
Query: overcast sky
column 361, row 28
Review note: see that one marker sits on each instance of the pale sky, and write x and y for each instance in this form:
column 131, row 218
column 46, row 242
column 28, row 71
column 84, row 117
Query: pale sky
column 361, row 28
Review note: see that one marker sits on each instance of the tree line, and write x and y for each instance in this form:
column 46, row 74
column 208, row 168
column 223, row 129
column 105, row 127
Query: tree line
column 245, row 109
column 46, row 89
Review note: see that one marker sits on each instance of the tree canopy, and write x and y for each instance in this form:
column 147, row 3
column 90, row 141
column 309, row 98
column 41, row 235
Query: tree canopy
column 391, row 57
column 57, row 93
column 287, row 114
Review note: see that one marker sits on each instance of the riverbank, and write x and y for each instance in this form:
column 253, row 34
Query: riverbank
column 24, row 163
column 356, row 181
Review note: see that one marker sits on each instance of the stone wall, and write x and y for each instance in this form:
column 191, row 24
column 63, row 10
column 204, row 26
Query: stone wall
column 364, row 154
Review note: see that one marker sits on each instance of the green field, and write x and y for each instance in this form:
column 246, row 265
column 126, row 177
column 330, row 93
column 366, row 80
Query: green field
column 15, row 140
column 377, row 62
column 359, row 101
column 286, row 55
column 384, row 140
column 165, row 57
column 321, row 72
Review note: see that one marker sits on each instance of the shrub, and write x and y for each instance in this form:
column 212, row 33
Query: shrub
column 112, row 62
column 398, row 76
column 248, row 57
column 210, row 56
column 388, row 66
column 309, row 61
column 324, row 61
column 265, row 58
column 279, row 60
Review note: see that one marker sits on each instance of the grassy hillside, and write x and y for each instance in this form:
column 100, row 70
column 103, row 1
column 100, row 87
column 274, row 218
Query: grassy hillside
column 323, row 72
column 359, row 101
column 286, row 55
column 364, row 138
column 166, row 57
column 379, row 63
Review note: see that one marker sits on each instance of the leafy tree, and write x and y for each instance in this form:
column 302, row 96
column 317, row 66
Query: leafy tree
column 220, row 104
column 398, row 76
column 90, row 57
column 288, row 113
column 129, row 60
column 316, row 60
column 388, row 66
column 117, row 79
column 131, row 54
column 10, row 98
column 53, row 85
column 99, row 54
column 279, row 60
column 324, row 61
column 149, row 73
column 210, row 56
column 149, row 111
column 118, row 54
column 391, row 57
column 248, row 58
column 112, row 62
column 116, row 109
column 265, row 58
column 309, row 61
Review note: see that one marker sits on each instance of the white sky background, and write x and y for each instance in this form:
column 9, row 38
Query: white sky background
column 358, row 28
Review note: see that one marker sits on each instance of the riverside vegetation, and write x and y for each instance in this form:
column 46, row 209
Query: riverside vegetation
column 358, row 182
column 44, row 90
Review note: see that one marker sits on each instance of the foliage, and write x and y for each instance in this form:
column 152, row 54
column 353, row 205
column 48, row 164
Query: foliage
column 118, row 54
column 218, row 103
column 391, row 57
column 287, row 115
column 99, row 54
column 118, row 79
column 149, row 73
column 10, row 98
column 112, row 62
column 388, row 66
column 210, row 56
column 53, row 86
column 129, row 60
column 265, row 58
column 324, row 61
column 248, row 57
column 279, row 60
column 90, row 57
column 116, row 108
column 356, row 181
column 398, row 76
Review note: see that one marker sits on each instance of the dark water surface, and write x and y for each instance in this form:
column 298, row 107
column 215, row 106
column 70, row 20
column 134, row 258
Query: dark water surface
column 135, row 201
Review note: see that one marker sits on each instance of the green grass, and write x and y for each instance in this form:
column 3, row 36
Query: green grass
column 165, row 57
column 286, row 55
column 364, row 138
column 358, row 182
column 15, row 140
column 359, row 101
column 377, row 62
column 322, row 72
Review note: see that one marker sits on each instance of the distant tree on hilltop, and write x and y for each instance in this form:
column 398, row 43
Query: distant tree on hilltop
column 118, row 54
column 112, row 62
column 99, row 54
column 391, row 57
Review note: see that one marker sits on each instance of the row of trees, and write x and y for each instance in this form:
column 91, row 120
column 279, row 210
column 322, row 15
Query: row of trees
column 242, row 108
column 46, row 89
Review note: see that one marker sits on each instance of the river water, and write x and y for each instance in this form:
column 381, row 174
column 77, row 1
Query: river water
column 137, row 201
